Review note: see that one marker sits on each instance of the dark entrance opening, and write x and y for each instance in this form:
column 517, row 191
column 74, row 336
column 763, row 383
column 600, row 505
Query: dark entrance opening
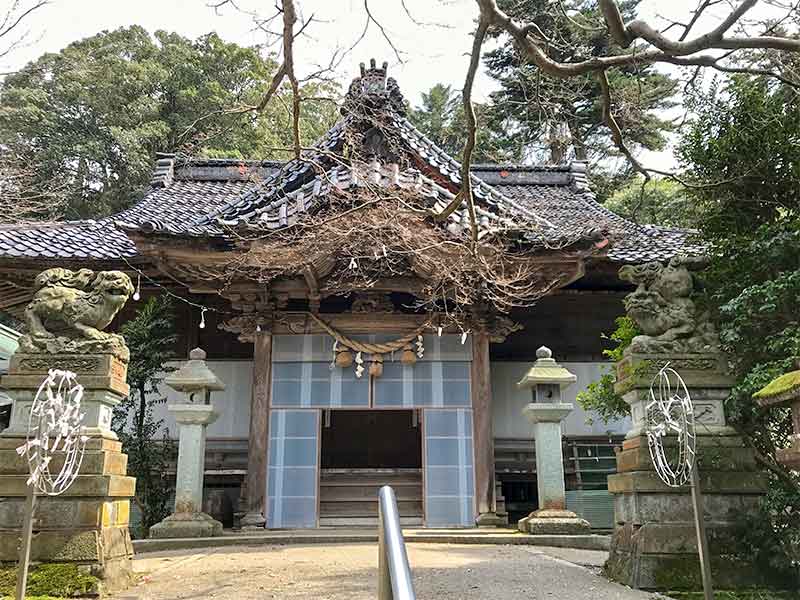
column 363, row 450
column 371, row 439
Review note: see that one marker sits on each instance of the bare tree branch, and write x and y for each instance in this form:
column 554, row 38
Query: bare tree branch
column 708, row 50
column 625, row 35
column 465, row 193
column 289, row 20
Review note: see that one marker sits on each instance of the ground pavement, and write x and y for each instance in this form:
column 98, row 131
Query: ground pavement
column 349, row 571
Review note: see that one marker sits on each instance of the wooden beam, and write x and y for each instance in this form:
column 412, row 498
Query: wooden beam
column 483, row 434
column 259, row 432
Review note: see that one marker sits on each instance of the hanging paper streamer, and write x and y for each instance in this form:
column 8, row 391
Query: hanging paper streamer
column 359, row 365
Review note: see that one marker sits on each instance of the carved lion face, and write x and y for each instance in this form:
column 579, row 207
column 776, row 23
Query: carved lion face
column 648, row 309
column 114, row 285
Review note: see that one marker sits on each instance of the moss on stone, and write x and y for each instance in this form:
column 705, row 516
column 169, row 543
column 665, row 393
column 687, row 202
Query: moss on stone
column 51, row 580
column 781, row 386
column 754, row 594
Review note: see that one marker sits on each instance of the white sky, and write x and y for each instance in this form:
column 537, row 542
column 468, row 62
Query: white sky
column 430, row 53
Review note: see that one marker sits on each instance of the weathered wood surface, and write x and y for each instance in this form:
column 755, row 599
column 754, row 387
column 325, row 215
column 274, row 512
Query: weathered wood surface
column 483, row 437
column 259, row 426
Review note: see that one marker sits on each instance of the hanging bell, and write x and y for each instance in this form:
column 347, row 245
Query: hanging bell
column 408, row 357
column 344, row 358
column 376, row 365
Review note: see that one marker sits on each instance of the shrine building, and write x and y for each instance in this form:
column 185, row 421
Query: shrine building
column 371, row 325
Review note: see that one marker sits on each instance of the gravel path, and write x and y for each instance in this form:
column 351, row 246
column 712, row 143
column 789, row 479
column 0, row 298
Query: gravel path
column 349, row 571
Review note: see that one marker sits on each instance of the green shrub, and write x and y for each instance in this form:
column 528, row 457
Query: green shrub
column 600, row 397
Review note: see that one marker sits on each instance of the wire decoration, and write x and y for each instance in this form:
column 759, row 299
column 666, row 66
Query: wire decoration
column 54, row 426
column 670, row 413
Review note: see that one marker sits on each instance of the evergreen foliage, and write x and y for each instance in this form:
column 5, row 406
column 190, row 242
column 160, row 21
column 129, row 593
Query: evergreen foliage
column 599, row 397
column 558, row 119
column 150, row 335
column 658, row 202
column 742, row 151
column 92, row 116
column 441, row 118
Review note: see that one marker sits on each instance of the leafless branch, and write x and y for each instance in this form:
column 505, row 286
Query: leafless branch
column 385, row 35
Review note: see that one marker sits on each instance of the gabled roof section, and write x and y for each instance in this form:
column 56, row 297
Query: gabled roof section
column 372, row 145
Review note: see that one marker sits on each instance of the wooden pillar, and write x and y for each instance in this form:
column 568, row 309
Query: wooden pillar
column 483, row 434
column 259, row 431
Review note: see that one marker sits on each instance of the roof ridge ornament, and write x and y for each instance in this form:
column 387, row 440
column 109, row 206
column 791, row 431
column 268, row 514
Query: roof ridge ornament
column 373, row 90
column 164, row 171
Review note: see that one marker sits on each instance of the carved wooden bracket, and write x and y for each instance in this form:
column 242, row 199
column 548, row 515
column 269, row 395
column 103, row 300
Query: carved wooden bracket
column 246, row 326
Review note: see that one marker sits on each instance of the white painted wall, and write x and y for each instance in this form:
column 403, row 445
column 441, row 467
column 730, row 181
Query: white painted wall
column 508, row 401
column 233, row 403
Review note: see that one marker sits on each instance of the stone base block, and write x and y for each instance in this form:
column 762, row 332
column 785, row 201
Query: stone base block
column 664, row 557
column 186, row 525
column 655, row 545
column 252, row 520
column 87, row 525
column 554, row 522
column 70, row 545
column 491, row 520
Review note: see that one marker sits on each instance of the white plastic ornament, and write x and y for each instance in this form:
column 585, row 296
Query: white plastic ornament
column 54, row 426
column 670, row 412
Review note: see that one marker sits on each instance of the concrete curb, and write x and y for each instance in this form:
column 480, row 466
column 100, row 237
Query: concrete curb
column 278, row 538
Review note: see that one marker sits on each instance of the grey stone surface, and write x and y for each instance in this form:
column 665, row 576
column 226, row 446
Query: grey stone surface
column 70, row 310
column 197, row 525
column 663, row 308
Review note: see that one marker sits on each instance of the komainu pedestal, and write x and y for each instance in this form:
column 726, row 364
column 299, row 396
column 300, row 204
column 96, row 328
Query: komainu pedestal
column 654, row 544
column 88, row 524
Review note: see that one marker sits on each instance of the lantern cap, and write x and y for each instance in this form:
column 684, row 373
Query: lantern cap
column 781, row 390
column 194, row 375
column 547, row 370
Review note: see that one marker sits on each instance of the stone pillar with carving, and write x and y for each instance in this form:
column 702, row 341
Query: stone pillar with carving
column 87, row 525
column 654, row 543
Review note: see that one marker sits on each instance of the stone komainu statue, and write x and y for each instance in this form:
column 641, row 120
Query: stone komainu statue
column 663, row 308
column 70, row 309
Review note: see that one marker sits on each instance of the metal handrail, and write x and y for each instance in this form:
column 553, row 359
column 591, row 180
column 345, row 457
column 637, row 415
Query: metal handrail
column 394, row 573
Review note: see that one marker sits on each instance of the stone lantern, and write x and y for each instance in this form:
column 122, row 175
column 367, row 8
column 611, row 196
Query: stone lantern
column 196, row 380
column 546, row 380
column 785, row 391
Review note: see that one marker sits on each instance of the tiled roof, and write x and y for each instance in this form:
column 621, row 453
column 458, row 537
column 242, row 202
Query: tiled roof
column 201, row 197
column 71, row 240
column 562, row 193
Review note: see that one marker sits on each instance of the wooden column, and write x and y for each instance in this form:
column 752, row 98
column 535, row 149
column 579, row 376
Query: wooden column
column 483, row 434
column 259, row 431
